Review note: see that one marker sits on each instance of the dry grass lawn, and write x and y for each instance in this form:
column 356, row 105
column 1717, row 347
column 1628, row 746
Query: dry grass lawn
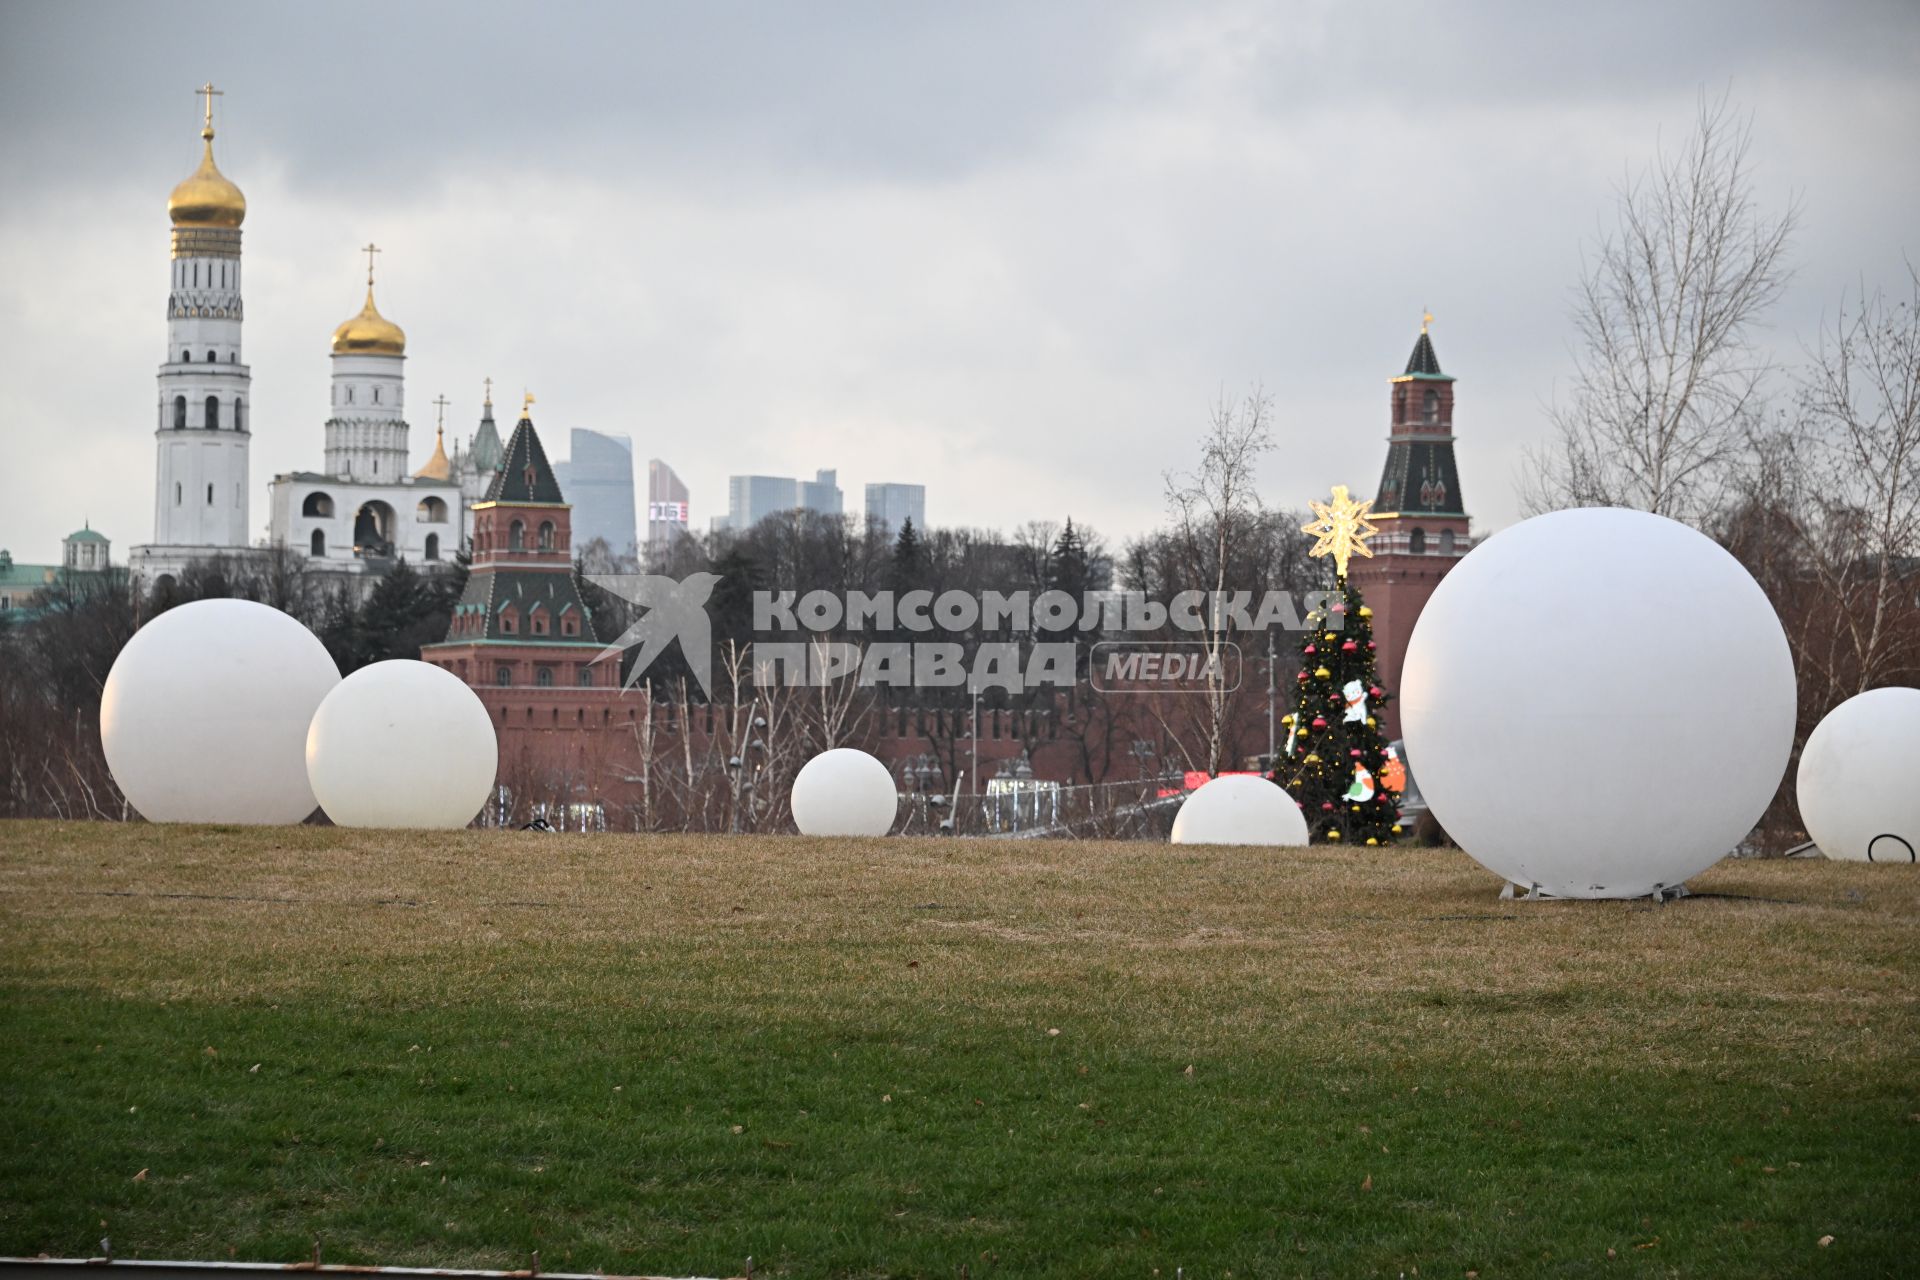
column 901, row 1056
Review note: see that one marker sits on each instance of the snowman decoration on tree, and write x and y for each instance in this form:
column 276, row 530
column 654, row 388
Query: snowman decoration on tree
column 1335, row 757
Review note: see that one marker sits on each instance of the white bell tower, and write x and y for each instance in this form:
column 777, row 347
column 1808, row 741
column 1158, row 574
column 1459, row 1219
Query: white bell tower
column 366, row 421
column 205, row 406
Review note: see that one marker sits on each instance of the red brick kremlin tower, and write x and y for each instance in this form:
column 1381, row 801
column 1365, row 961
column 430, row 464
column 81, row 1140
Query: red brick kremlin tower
column 522, row 638
column 1423, row 522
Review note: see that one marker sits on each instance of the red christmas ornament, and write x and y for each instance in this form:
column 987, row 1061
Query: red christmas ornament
column 1319, row 722
column 1339, row 608
column 1369, row 644
column 1355, row 753
column 1303, row 677
column 1308, row 649
column 1326, row 806
column 1349, row 647
column 1376, row 691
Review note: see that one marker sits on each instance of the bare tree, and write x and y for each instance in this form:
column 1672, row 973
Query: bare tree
column 1215, row 508
column 1860, row 408
column 1666, row 379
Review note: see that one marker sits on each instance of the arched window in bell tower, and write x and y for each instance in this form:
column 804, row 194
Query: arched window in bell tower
column 213, row 413
column 1417, row 542
column 516, row 536
column 213, row 357
column 179, row 413
column 1430, row 406
column 239, row 415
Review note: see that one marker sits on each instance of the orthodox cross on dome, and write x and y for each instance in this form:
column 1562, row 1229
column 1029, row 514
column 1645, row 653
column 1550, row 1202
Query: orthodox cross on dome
column 489, row 382
column 1342, row 528
column 440, row 404
column 208, row 92
column 370, row 248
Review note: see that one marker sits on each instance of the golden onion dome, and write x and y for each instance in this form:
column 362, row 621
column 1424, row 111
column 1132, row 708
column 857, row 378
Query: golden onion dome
column 369, row 333
column 437, row 468
column 207, row 199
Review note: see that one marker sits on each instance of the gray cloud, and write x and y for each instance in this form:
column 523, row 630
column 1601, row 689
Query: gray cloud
column 1008, row 251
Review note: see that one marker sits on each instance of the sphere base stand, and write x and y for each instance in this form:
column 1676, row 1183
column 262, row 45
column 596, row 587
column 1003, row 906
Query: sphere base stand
column 1661, row 894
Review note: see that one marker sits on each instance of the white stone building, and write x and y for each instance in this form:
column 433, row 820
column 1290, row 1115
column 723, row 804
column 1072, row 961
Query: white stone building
column 362, row 510
column 202, row 421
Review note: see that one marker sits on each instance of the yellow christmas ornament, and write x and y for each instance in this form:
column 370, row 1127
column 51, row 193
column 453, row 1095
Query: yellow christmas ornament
column 1371, row 840
column 1342, row 528
column 1310, row 759
column 1365, row 612
column 1329, row 636
column 1396, row 828
column 1333, row 835
column 1322, row 673
column 1372, row 723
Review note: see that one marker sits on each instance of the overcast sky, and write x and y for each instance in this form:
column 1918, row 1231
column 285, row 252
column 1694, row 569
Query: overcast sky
column 1010, row 252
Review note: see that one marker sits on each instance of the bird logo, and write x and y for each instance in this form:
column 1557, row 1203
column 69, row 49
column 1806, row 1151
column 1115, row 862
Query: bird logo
column 676, row 609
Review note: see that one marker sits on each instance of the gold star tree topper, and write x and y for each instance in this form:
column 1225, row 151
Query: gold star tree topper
column 1342, row 528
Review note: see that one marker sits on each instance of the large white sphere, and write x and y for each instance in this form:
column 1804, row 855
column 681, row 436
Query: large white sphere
column 1859, row 781
column 402, row 744
column 1598, row 703
column 1240, row 809
column 844, row 792
column 204, row 715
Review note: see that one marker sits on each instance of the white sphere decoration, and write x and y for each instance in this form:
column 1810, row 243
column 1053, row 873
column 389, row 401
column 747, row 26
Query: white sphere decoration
column 1859, row 780
column 1240, row 809
column 1598, row 703
column 204, row 714
column 844, row 792
column 402, row 744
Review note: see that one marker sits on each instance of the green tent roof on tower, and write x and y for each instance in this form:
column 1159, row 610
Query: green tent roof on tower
column 525, row 475
column 486, row 451
column 1423, row 363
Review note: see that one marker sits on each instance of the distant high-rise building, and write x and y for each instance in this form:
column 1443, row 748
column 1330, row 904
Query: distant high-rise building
column 667, row 514
column 892, row 505
column 823, row 494
column 598, row 481
column 751, row 499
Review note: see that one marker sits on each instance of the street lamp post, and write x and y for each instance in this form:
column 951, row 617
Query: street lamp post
column 1272, row 762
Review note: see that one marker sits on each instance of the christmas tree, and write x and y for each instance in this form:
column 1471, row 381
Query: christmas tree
column 1335, row 758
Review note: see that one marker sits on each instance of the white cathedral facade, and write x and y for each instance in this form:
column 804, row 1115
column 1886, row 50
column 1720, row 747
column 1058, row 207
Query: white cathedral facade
column 362, row 511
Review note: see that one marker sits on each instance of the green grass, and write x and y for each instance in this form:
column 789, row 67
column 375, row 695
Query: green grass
column 665, row 1054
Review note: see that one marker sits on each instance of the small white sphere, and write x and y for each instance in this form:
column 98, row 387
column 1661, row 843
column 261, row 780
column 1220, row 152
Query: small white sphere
column 402, row 744
column 844, row 792
column 1859, row 781
column 204, row 715
column 1599, row 703
column 1240, row 809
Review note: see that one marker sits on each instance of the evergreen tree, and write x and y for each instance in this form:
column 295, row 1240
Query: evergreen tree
column 339, row 629
column 403, row 612
column 909, row 559
column 1335, row 758
column 1071, row 569
column 607, row 615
